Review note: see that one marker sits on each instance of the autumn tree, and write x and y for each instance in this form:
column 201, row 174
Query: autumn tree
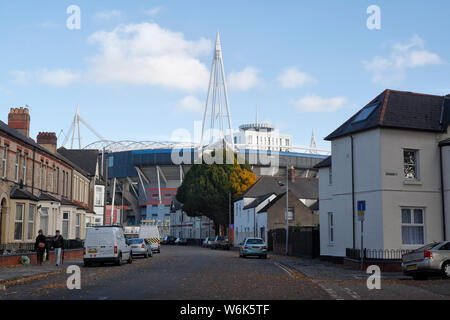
column 206, row 187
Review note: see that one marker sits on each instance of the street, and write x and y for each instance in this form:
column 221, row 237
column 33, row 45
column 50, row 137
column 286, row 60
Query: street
column 194, row 273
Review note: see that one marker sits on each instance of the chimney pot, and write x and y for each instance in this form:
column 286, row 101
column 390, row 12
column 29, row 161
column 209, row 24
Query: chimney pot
column 19, row 119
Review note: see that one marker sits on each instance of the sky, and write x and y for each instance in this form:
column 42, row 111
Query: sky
column 139, row 70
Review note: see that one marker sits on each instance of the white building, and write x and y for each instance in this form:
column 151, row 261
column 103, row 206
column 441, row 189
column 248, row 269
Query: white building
column 394, row 154
column 262, row 136
column 183, row 226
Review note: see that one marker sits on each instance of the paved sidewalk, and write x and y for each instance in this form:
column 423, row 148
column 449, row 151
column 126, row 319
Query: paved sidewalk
column 9, row 275
column 325, row 270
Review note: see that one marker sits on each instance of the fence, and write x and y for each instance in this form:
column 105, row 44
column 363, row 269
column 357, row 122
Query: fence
column 11, row 248
column 377, row 254
column 302, row 241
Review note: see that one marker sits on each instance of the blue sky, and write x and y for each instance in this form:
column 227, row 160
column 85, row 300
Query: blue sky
column 137, row 69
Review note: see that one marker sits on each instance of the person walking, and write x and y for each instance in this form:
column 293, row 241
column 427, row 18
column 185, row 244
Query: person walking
column 40, row 246
column 58, row 244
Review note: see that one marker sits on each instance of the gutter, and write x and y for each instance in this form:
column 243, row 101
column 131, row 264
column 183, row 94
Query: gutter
column 353, row 195
column 442, row 192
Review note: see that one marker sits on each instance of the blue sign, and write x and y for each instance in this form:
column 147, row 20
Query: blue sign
column 361, row 206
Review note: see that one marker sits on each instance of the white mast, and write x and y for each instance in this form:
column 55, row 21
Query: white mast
column 217, row 91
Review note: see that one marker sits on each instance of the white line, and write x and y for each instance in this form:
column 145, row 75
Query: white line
column 353, row 294
column 284, row 269
column 330, row 291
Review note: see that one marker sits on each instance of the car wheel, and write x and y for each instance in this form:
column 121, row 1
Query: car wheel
column 119, row 260
column 446, row 270
column 130, row 259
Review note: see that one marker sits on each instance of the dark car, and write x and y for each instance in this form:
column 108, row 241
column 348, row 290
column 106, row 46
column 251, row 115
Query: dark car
column 221, row 243
column 169, row 240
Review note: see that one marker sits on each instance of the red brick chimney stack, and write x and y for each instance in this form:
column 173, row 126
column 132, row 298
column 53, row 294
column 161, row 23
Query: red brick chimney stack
column 19, row 119
column 291, row 173
column 48, row 140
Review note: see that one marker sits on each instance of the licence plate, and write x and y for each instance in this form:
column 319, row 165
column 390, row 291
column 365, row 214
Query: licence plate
column 411, row 267
column 256, row 248
column 93, row 251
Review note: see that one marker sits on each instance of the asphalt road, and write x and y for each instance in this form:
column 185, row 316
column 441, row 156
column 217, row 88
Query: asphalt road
column 193, row 273
column 178, row 273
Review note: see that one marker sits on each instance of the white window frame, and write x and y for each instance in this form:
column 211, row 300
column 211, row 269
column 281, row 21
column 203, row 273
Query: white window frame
column 24, row 168
column 40, row 174
column 330, row 176
column 416, row 164
column 19, row 221
column 30, row 221
column 414, row 224
column 77, row 225
column 331, row 233
column 17, row 166
column 291, row 214
column 5, row 161
column 65, row 235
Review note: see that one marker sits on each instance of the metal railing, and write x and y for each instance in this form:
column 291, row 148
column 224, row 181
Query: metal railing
column 25, row 247
column 377, row 254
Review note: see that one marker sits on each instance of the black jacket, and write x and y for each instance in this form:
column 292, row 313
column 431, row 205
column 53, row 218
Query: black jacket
column 58, row 242
column 40, row 238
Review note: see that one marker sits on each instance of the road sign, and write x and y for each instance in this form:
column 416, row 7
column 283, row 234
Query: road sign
column 361, row 210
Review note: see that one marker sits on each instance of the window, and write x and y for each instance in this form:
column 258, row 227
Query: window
column 250, row 141
column 31, row 222
column 445, row 247
column 65, row 225
column 24, row 168
column 43, row 220
column 67, row 184
column 413, row 226
column 40, row 174
column 77, row 226
column 98, row 196
column 18, row 222
column 57, row 180
column 330, row 228
column 410, row 164
column 51, row 170
column 17, row 166
column 5, row 161
column 365, row 113
column 45, row 177
column 290, row 214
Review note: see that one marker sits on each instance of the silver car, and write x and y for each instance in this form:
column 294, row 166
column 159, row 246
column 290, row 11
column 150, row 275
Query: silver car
column 140, row 247
column 433, row 258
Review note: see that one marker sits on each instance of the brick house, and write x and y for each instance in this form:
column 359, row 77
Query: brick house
column 36, row 185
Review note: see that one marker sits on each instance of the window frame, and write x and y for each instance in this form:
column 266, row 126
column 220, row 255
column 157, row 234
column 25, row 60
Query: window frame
column 17, row 166
column 416, row 165
column 5, row 161
column 16, row 221
column 31, row 222
column 331, row 233
column 413, row 224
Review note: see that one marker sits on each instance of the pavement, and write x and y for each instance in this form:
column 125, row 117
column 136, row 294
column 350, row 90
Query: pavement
column 9, row 275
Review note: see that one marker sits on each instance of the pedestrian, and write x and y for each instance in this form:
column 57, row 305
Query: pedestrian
column 40, row 247
column 58, row 244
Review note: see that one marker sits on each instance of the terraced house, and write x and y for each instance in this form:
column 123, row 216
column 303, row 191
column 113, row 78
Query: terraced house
column 39, row 188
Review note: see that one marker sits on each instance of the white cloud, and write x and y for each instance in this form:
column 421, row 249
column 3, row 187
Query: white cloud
column 313, row 103
column 404, row 56
column 293, row 78
column 108, row 15
column 20, row 77
column 191, row 104
column 54, row 78
column 244, row 80
column 57, row 77
column 153, row 11
column 146, row 54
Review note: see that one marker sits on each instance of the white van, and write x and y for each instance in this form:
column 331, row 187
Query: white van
column 106, row 244
column 151, row 234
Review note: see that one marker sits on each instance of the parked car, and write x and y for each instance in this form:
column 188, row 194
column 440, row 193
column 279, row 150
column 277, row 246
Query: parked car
column 140, row 247
column 207, row 242
column 433, row 258
column 253, row 247
column 106, row 244
column 169, row 240
column 181, row 241
column 151, row 234
column 220, row 243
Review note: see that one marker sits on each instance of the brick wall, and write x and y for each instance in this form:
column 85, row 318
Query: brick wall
column 13, row 260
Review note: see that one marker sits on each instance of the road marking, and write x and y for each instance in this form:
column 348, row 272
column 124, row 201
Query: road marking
column 289, row 272
column 330, row 291
column 353, row 294
column 102, row 298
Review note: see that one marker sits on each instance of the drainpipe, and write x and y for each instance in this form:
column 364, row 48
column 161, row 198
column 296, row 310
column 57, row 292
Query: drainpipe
column 442, row 192
column 353, row 195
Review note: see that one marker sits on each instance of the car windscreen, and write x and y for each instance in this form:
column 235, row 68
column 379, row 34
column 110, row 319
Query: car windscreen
column 427, row 247
column 255, row 241
column 135, row 241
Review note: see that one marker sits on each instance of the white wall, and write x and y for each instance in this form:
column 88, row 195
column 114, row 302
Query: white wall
column 446, row 172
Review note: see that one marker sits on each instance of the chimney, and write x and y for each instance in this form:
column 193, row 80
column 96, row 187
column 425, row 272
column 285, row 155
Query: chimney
column 19, row 119
column 291, row 173
column 47, row 140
